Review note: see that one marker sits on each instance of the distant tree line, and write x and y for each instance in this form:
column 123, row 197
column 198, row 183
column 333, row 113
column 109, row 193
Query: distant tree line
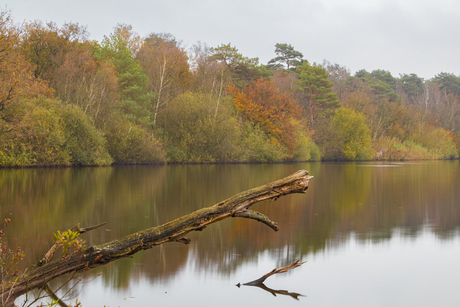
column 67, row 100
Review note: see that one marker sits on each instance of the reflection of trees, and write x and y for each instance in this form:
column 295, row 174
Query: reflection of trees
column 42, row 201
column 375, row 203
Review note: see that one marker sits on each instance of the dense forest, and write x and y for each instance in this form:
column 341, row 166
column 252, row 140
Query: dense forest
column 67, row 100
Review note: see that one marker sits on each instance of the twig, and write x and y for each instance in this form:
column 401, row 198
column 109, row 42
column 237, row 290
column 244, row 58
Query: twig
column 53, row 295
column 6, row 225
column 54, row 248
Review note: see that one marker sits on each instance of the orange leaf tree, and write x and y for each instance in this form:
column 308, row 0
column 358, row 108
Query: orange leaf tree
column 16, row 79
column 263, row 104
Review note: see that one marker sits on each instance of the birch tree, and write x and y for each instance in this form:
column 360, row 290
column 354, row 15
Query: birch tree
column 166, row 66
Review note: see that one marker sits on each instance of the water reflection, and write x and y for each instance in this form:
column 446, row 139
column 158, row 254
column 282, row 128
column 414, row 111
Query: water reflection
column 372, row 202
column 275, row 292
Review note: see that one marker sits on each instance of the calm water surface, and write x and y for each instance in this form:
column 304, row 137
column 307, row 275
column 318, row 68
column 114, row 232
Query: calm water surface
column 373, row 234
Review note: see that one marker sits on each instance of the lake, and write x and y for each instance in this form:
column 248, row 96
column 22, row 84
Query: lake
column 373, row 234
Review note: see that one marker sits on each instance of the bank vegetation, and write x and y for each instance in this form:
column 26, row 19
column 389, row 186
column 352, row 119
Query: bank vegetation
column 67, row 100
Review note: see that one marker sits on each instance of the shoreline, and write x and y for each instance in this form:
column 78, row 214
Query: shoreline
column 208, row 163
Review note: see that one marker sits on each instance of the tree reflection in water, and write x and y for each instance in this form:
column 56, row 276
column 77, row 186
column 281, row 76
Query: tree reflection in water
column 371, row 204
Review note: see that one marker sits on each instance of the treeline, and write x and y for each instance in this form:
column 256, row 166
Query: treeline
column 66, row 100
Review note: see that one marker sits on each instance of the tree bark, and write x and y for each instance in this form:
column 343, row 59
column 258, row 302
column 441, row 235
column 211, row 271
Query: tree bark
column 174, row 231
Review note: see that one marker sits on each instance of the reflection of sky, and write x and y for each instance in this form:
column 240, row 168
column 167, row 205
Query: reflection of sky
column 402, row 271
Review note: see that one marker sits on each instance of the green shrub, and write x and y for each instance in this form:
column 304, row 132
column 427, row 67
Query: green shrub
column 258, row 147
column 355, row 135
column 438, row 140
column 305, row 148
column 12, row 156
column 328, row 139
column 83, row 142
column 39, row 134
column 128, row 143
column 45, row 133
column 395, row 149
column 193, row 132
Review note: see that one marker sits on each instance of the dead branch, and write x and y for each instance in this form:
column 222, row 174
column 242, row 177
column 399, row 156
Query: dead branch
column 173, row 231
column 53, row 296
column 284, row 269
column 258, row 217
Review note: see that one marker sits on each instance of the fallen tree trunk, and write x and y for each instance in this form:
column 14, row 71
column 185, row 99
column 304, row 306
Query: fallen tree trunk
column 174, row 231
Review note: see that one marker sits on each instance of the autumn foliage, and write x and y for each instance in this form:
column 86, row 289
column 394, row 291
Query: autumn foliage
column 263, row 104
column 67, row 100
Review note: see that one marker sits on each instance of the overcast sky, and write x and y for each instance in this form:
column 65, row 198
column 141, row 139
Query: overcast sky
column 402, row 36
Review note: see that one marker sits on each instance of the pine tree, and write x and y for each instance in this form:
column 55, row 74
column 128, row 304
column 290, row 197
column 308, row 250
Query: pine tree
column 322, row 101
column 286, row 58
column 132, row 80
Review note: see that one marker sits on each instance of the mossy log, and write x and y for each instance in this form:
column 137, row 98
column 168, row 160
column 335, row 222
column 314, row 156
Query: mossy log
column 174, row 231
